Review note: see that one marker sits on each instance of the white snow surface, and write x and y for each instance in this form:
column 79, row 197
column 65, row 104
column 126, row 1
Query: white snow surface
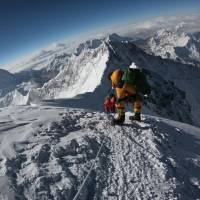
column 46, row 152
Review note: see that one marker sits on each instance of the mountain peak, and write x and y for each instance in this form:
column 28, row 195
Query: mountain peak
column 173, row 35
column 115, row 37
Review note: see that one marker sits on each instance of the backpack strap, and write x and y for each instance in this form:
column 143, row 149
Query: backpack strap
column 121, row 82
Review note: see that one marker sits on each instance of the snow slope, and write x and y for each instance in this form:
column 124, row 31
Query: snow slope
column 82, row 73
column 46, row 153
column 61, row 76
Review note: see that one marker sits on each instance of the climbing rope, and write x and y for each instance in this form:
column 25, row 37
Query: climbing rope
column 90, row 170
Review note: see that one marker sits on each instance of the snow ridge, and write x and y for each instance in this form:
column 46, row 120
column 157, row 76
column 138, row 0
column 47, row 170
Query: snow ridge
column 154, row 159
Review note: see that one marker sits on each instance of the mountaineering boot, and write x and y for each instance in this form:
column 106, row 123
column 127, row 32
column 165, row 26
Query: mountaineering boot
column 120, row 116
column 119, row 120
column 136, row 117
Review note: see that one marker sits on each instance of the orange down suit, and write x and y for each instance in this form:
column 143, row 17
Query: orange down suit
column 123, row 92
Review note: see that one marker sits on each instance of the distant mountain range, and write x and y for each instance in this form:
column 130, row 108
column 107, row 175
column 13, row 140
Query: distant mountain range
column 174, row 44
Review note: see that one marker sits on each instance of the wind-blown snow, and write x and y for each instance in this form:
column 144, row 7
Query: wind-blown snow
column 46, row 152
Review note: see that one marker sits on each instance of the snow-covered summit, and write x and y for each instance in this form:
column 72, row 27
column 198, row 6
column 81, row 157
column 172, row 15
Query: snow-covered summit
column 116, row 38
column 47, row 153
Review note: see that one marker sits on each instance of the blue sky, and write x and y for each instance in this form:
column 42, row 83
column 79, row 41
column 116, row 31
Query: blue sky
column 27, row 25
